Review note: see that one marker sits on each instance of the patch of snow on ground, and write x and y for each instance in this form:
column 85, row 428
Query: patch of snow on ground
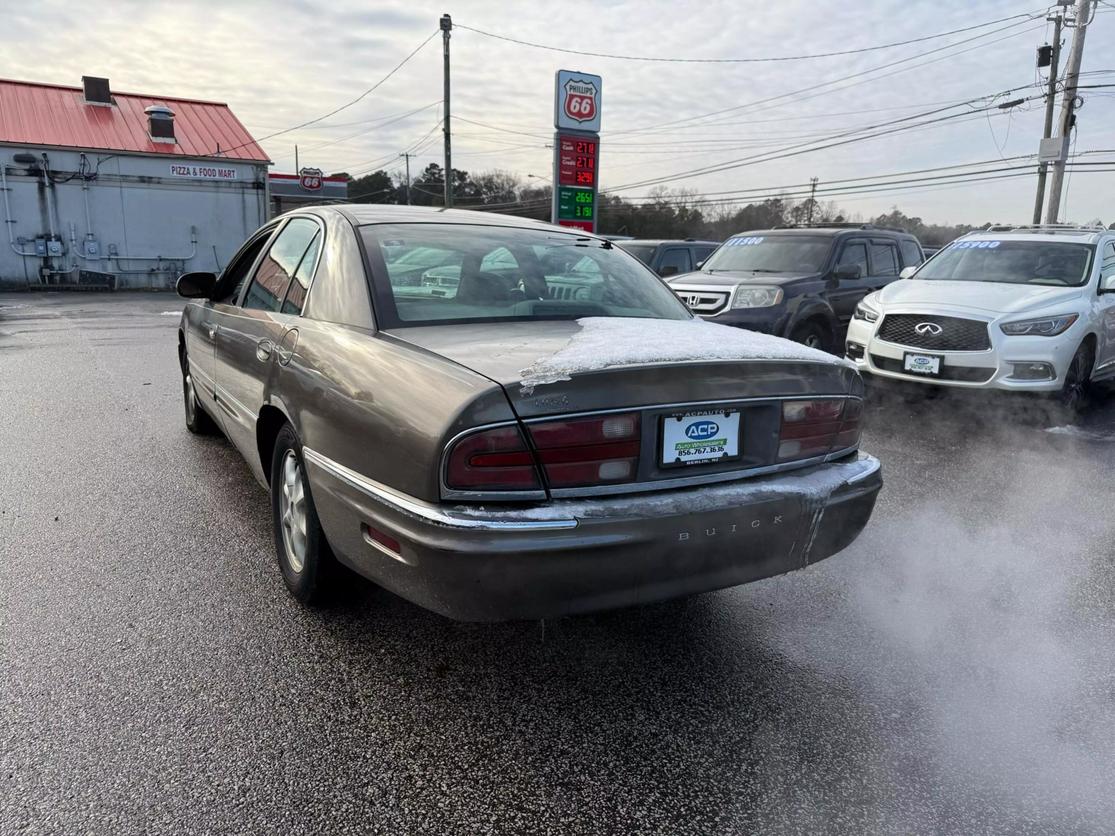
column 605, row 342
column 171, row 313
column 1080, row 432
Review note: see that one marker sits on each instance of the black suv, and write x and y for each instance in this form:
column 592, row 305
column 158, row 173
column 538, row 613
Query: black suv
column 797, row 282
column 668, row 258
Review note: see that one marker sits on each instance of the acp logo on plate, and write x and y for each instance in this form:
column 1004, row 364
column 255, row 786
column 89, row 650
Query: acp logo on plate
column 702, row 430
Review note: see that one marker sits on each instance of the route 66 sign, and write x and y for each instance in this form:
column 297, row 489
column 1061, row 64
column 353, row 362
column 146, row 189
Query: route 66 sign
column 310, row 179
column 577, row 101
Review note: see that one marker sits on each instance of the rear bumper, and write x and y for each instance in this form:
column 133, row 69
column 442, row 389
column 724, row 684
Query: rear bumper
column 584, row 555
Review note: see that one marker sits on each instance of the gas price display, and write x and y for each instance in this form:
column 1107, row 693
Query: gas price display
column 577, row 160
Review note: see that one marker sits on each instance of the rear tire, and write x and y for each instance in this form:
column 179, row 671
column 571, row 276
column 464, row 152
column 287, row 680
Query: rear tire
column 198, row 421
column 1076, row 391
column 812, row 334
column 307, row 563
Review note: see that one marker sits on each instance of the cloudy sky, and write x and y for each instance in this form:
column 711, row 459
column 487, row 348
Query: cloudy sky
column 285, row 62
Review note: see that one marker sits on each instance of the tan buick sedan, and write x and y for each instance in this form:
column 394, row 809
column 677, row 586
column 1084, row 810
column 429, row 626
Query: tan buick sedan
column 498, row 419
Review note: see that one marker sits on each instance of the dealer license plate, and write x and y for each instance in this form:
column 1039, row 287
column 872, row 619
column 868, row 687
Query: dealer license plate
column 926, row 364
column 700, row 437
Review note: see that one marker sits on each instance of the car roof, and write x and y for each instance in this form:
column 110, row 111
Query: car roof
column 660, row 241
column 831, row 231
column 360, row 214
column 1040, row 232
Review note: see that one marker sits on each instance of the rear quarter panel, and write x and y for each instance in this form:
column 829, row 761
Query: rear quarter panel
column 381, row 407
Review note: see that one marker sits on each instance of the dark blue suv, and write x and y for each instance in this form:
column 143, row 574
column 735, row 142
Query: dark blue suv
column 798, row 282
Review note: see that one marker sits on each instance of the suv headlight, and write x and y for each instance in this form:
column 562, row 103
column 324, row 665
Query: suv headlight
column 756, row 297
column 1046, row 326
column 865, row 312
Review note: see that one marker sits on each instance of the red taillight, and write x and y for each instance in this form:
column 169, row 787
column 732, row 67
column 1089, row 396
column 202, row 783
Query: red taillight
column 578, row 452
column 492, row 460
column 817, row 427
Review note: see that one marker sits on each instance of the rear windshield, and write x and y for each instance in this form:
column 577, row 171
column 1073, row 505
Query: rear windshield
column 425, row 274
column 643, row 252
column 1051, row 263
column 771, row 254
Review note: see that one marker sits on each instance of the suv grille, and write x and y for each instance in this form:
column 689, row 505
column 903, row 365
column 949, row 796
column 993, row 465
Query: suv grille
column 704, row 301
column 941, row 333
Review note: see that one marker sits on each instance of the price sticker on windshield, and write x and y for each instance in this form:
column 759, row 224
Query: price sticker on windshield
column 747, row 241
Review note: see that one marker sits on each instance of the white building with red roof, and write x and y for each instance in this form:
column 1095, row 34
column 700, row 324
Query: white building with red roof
column 109, row 189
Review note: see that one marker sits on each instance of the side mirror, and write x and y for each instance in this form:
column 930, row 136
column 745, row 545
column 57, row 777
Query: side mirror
column 196, row 285
column 1107, row 283
column 907, row 272
column 700, row 264
column 668, row 270
column 847, row 271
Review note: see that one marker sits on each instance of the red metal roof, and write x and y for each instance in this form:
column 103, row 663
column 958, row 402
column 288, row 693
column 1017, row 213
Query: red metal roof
column 50, row 114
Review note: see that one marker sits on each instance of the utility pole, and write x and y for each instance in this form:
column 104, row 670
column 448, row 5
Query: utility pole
column 446, row 27
column 1068, row 106
column 812, row 194
column 1050, row 99
column 296, row 169
column 407, row 155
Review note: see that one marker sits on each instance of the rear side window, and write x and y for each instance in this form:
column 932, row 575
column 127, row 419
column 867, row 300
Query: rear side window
column 270, row 283
column 701, row 253
column 296, row 296
column 675, row 260
column 911, row 253
column 884, row 259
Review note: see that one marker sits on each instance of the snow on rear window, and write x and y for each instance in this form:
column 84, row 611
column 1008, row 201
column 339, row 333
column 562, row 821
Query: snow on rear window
column 606, row 342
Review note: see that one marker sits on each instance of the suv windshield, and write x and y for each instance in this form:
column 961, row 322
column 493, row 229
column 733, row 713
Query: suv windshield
column 426, row 274
column 771, row 254
column 1013, row 262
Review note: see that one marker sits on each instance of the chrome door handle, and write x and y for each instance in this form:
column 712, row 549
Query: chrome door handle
column 211, row 331
column 263, row 349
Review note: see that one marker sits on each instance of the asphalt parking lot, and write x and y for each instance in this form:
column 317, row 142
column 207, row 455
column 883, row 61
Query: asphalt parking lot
column 951, row 672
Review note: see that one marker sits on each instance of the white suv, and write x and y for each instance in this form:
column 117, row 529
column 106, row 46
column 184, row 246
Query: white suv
column 1027, row 308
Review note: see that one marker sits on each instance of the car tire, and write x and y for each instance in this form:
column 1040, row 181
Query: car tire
column 198, row 421
column 813, row 334
column 1075, row 392
column 307, row 563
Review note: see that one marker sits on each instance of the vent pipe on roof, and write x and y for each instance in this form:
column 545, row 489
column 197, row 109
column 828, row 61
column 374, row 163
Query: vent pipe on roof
column 160, row 123
column 96, row 90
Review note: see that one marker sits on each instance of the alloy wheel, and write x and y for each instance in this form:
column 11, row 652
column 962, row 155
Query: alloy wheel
column 292, row 512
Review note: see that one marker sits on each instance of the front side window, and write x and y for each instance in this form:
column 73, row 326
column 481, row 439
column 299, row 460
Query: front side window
column 444, row 273
column 884, row 259
column 273, row 277
column 771, row 254
column 911, row 253
column 643, row 252
column 232, row 279
column 855, row 254
column 1052, row 263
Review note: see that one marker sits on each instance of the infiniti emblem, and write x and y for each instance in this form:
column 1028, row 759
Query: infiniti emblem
column 931, row 328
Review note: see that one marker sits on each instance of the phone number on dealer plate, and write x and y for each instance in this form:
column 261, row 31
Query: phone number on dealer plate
column 700, row 437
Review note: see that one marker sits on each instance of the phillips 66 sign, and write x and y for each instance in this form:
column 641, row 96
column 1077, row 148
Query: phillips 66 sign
column 577, row 101
column 576, row 149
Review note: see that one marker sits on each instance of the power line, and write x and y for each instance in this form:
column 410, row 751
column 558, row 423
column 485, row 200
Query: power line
column 383, row 124
column 797, row 150
column 359, row 98
column 818, row 87
column 657, row 59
